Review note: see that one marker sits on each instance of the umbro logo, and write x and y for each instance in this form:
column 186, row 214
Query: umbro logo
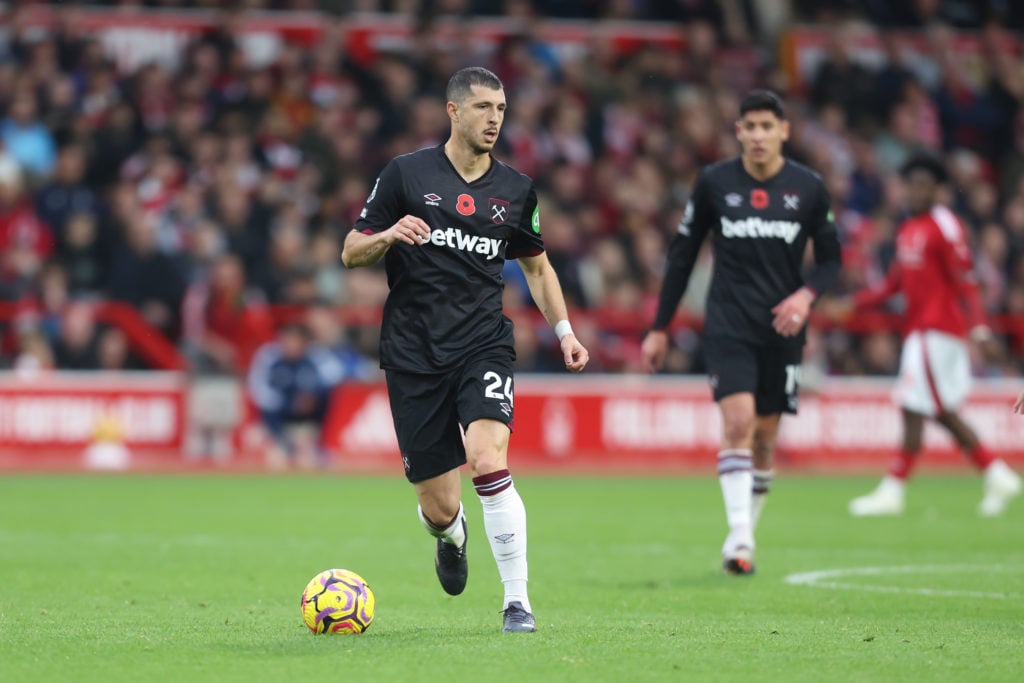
column 791, row 201
column 432, row 199
column 504, row 538
column 733, row 200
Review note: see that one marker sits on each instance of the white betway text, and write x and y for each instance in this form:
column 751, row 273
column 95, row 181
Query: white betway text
column 758, row 227
column 454, row 238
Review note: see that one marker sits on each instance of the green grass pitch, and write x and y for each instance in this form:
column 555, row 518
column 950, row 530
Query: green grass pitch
column 197, row 578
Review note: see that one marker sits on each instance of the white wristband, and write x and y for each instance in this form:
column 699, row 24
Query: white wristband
column 563, row 328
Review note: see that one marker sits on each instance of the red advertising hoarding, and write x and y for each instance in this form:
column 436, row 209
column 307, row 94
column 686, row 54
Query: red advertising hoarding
column 51, row 415
column 627, row 424
column 640, row 424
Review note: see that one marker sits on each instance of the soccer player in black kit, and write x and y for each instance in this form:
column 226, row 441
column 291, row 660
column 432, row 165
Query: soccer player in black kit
column 445, row 219
column 762, row 209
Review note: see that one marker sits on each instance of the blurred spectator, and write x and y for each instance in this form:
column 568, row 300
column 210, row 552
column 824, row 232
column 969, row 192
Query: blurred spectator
column 51, row 298
column 82, row 255
column 892, row 77
column 34, row 355
column 842, row 81
column 268, row 160
column 881, row 353
column 245, row 223
column 286, row 260
column 329, row 274
column 866, row 185
column 117, row 136
column 966, row 113
column 290, row 381
column 66, row 192
column 25, row 240
column 328, row 332
column 178, row 223
column 225, row 320
column 532, row 354
column 76, row 345
column 113, row 352
column 25, row 137
column 146, row 278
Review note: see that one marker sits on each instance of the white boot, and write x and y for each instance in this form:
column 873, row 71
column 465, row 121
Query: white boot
column 885, row 500
column 1001, row 486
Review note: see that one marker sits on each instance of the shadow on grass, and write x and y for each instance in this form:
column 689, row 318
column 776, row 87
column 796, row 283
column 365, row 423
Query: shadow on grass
column 710, row 578
column 392, row 637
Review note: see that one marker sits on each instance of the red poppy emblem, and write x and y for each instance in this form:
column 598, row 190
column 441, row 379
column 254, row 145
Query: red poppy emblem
column 759, row 199
column 465, row 205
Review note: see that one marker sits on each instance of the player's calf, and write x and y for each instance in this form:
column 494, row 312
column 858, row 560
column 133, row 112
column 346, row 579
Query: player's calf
column 450, row 560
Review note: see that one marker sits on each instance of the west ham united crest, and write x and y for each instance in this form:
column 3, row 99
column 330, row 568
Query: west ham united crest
column 498, row 208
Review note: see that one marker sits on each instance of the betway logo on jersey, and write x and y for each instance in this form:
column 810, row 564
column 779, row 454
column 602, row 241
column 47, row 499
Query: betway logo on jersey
column 758, row 227
column 454, row 238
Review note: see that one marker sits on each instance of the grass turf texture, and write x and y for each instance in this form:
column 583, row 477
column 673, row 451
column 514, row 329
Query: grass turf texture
column 191, row 578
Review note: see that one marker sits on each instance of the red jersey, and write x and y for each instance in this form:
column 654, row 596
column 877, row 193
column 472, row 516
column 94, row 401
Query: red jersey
column 21, row 227
column 934, row 273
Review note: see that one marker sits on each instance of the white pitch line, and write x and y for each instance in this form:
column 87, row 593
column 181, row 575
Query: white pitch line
column 819, row 579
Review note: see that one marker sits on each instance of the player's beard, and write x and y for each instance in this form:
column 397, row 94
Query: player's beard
column 480, row 145
column 476, row 142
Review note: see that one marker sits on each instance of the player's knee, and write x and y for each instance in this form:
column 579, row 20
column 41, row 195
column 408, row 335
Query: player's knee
column 486, row 460
column 440, row 511
column 738, row 430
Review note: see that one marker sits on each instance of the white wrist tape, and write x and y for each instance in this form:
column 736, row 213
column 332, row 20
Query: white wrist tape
column 563, row 328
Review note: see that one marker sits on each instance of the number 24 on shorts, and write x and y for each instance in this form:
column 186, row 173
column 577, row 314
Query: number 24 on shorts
column 493, row 388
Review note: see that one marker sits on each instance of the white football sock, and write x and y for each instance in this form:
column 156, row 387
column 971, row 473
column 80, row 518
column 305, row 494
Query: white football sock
column 453, row 534
column 734, row 474
column 505, row 523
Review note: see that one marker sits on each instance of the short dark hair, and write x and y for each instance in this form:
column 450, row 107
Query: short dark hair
column 925, row 161
column 461, row 83
column 762, row 100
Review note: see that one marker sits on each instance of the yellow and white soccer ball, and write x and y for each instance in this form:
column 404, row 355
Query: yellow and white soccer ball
column 337, row 601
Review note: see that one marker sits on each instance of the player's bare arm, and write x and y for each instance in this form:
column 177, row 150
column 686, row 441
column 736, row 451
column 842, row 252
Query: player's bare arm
column 1018, row 406
column 791, row 313
column 547, row 292
column 365, row 250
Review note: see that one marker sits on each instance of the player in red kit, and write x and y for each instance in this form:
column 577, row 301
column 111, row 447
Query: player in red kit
column 934, row 273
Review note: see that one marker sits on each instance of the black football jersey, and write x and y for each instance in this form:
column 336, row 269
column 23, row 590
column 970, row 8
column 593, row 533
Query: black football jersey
column 760, row 236
column 445, row 295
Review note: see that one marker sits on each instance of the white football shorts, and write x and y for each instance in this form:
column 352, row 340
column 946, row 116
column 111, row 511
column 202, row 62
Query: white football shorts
column 935, row 373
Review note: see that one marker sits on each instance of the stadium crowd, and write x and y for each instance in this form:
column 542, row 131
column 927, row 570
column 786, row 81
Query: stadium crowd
column 205, row 194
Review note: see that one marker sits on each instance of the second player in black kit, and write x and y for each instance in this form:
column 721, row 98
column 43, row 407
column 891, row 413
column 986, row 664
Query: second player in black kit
column 445, row 220
column 761, row 209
